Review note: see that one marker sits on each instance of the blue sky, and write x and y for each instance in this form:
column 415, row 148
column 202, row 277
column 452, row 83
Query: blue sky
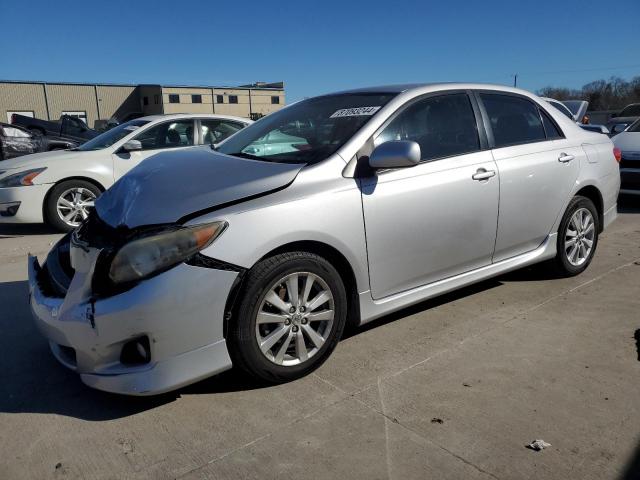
column 320, row 46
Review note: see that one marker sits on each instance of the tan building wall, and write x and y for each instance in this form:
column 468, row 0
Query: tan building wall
column 22, row 97
column 186, row 104
column 261, row 101
column 117, row 100
column 154, row 99
column 66, row 98
column 101, row 102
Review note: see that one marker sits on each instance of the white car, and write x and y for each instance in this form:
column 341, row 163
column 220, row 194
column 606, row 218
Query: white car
column 60, row 187
column 628, row 142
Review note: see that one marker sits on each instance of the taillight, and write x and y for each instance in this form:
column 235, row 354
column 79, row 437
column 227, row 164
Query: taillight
column 618, row 154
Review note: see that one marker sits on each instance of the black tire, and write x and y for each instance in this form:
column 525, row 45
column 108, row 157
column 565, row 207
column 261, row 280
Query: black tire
column 242, row 338
column 50, row 211
column 562, row 263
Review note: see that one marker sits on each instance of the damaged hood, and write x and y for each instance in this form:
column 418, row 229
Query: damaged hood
column 170, row 185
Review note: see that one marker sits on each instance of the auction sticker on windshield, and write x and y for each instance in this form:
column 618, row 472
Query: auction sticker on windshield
column 355, row 112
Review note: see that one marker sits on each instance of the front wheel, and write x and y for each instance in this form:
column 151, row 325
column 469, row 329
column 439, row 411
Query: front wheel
column 290, row 318
column 69, row 203
column 577, row 236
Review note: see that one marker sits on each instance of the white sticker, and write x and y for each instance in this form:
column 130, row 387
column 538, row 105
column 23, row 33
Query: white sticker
column 131, row 127
column 355, row 112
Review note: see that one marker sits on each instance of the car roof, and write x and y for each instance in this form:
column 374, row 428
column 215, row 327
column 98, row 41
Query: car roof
column 152, row 118
column 428, row 87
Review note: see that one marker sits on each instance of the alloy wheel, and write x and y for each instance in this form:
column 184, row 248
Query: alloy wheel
column 295, row 318
column 74, row 205
column 579, row 237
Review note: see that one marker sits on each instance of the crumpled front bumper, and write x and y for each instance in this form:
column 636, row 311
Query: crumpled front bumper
column 181, row 311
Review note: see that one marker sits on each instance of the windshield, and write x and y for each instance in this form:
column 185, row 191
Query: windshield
column 308, row 131
column 630, row 110
column 110, row 137
column 635, row 127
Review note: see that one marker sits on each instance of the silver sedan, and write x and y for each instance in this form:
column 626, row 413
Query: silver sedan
column 371, row 200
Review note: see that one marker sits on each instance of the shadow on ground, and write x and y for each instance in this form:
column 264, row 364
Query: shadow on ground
column 8, row 230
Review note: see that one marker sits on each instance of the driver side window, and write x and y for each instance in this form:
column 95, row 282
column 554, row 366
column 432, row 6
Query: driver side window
column 443, row 126
column 167, row 135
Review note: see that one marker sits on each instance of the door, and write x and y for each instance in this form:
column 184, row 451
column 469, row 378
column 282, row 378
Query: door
column 538, row 167
column 437, row 219
column 171, row 135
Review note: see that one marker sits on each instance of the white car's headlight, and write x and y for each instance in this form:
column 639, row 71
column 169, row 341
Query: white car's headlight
column 21, row 179
column 150, row 255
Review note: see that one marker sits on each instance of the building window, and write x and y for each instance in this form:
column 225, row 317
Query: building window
column 196, row 98
column 145, row 100
column 275, row 100
column 233, row 99
column 156, row 99
column 219, row 99
column 174, row 98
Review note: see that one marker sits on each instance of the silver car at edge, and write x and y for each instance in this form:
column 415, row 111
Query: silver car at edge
column 372, row 200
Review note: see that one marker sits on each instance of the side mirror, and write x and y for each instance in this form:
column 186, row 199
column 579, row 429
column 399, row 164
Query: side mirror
column 132, row 145
column 395, row 154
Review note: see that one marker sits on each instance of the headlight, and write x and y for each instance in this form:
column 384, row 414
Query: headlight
column 20, row 179
column 146, row 256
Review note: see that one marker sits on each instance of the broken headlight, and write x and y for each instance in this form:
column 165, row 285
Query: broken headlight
column 150, row 255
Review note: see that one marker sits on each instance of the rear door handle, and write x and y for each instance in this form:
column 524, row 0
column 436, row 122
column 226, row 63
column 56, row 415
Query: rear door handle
column 564, row 158
column 483, row 174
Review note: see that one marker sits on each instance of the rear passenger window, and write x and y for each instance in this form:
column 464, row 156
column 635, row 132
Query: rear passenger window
column 514, row 120
column 550, row 128
column 443, row 126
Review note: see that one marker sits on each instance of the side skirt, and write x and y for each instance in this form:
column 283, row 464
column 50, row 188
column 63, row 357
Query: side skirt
column 371, row 309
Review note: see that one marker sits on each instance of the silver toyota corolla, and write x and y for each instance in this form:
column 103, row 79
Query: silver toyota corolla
column 340, row 208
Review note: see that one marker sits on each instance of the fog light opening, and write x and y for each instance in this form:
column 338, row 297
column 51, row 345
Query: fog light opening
column 136, row 352
column 9, row 209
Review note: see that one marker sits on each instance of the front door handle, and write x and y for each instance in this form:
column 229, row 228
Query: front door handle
column 564, row 158
column 483, row 174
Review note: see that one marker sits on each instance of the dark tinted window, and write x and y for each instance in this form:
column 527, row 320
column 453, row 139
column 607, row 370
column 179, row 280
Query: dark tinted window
column 219, row 99
column 156, row 99
column 215, row 131
column 514, row 120
column 275, row 100
column 443, row 126
column 563, row 109
column 233, row 99
column 145, row 100
column 630, row 110
column 196, row 98
column 551, row 129
column 173, row 98
column 167, row 135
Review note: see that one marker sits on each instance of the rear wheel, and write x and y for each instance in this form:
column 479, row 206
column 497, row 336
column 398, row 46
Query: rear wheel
column 577, row 236
column 69, row 203
column 290, row 317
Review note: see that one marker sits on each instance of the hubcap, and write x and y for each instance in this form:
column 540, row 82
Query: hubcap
column 294, row 319
column 74, row 205
column 579, row 237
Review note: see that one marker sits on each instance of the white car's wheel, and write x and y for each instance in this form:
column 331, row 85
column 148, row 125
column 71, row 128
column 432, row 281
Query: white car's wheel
column 70, row 203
